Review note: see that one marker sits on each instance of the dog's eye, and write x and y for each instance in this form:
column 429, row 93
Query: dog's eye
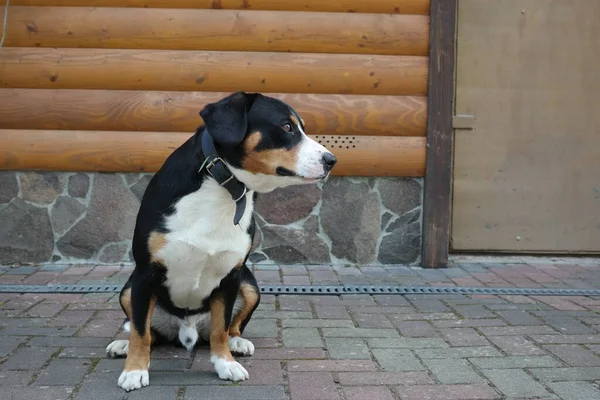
column 287, row 127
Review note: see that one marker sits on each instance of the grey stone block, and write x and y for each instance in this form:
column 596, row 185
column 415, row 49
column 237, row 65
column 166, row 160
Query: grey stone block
column 348, row 349
column 514, row 362
column 406, row 343
column 460, row 352
column 397, row 360
column 27, row 358
column 63, row 372
column 359, row 332
column 515, row 383
column 567, row 374
column 264, row 328
column 301, row 338
column 37, row 393
column 575, row 390
column 235, row 392
column 452, row 371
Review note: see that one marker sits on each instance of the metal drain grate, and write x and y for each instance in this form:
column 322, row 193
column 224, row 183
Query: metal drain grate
column 325, row 290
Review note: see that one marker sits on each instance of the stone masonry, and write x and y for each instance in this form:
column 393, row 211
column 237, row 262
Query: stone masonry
column 90, row 217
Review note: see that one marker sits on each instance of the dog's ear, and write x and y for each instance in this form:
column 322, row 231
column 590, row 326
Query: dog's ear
column 227, row 119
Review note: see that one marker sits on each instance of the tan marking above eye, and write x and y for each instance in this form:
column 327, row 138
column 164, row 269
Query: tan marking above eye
column 294, row 120
column 267, row 161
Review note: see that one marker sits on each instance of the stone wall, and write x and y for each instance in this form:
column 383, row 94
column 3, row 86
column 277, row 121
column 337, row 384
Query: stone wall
column 80, row 217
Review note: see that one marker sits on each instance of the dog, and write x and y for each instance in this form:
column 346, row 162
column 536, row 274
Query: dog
column 195, row 227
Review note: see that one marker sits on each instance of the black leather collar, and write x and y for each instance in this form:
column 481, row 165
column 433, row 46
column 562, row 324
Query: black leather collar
column 214, row 166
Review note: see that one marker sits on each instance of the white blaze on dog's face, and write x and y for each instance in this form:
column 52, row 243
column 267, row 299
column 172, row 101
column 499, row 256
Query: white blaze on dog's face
column 275, row 150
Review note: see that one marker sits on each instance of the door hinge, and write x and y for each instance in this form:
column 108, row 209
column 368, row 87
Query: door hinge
column 463, row 121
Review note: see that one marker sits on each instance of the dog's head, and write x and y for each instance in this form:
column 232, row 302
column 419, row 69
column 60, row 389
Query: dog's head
column 262, row 139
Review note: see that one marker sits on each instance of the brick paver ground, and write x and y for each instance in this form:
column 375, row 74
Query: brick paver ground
column 325, row 347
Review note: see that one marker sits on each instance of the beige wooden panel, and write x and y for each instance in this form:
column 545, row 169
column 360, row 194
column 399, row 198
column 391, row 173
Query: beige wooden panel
column 527, row 177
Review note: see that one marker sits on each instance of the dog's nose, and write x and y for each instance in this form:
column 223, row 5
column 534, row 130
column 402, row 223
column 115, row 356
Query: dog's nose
column 329, row 160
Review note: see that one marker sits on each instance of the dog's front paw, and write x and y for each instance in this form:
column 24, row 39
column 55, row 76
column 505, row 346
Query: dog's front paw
column 229, row 370
column 117, row 348
column 136, row 379
column 242, row 346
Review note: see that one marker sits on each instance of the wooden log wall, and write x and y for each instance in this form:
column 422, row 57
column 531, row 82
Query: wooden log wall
column 99, row 85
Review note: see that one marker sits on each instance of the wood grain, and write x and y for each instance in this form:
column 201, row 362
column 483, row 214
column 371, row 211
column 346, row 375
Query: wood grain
column 357, row 6
column 438, row 180
column 213, row 71
column 229, row 30
column 115, row 110
column 110, row 151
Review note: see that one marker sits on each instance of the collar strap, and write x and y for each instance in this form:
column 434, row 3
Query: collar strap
column 216, row 167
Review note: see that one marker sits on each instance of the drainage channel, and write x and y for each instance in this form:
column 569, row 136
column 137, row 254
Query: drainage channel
column 326, row 290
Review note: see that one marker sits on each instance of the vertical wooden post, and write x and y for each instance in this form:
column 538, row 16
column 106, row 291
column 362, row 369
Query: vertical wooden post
column 438, row 175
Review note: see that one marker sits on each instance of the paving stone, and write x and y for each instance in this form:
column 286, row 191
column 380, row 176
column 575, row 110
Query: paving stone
column 312, row 386
column 265, row 328
column 10, row 343
column 463, row 337
column 13, row 378
column 567, row 374
column 37, row 393
column 83, row 352
column 296, row 280
column 106, row 328
column 452, row 371
column 516, row 345
column 347, row 348
column 468, row 323
column 447, row 392
column 519, row 317
column 281, row 314
column 262, row 372
column 109, row 390
column 459, row 352
column 384, row 378
column 514, row 362
column 63, row 372
column 294, row 303
column 568, row 326
column 45, row 309
column 235, row 392
column 406, row 343
column 416, row 329
column 515, row 383
column 428, row 304
column 517, row 330
column 285, row 353
column 28, row 358
column 359, row 332
column 565, row 339
column 368, row 392
column 574, row 355
column 30, row 331
column 330, row 312
column 316, row 323
column 302, row 337
column 474, row 311
column 373, row 321
column 397, row 360
column 575, row 390
column 57, row 341
column 391, row 300
column 331, row 365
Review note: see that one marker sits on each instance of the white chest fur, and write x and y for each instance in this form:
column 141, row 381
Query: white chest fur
column 203, row 245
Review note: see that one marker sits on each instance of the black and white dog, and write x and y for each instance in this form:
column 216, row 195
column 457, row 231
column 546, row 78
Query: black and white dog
column 195, row 227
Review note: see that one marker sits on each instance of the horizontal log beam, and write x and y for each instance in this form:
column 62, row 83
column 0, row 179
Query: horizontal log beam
column 226, row 30
column 357, row 6
column 96, row 151
column 213, row 71
column 115, row 110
